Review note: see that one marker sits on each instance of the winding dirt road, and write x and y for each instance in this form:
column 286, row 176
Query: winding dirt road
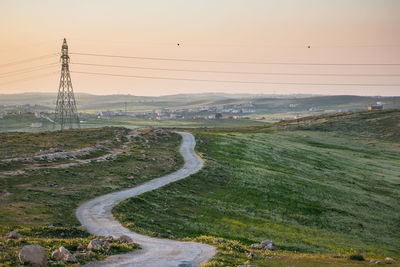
column 96, row 216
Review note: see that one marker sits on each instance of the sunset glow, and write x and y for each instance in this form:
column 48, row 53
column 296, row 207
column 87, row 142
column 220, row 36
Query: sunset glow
column 343, row 32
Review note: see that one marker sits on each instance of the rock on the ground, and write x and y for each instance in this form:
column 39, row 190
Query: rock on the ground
column 110, row 238
column 34, row 255
column 253, row 255
column 62, row 254
column 106, row 244
column 256, row 246
column 80, row 247
column 94, row 244
column 268, row 245
column 81, row 228
column 125, row 239
column 389, row 259
column 14, row 235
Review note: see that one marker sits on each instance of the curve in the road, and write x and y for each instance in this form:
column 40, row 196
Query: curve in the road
column 96, row 215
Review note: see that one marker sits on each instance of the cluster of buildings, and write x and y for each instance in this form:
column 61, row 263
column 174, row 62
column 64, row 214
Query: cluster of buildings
column 236, row 111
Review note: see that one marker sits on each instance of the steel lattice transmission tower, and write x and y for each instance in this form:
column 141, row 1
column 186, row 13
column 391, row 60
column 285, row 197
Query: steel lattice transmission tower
column 66, row 113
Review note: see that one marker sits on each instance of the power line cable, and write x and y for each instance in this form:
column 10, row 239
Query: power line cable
column 236, row 72
column 230, row 81
column 237, row 62
column 26, row 70
column 30, row 78
column 27, row 60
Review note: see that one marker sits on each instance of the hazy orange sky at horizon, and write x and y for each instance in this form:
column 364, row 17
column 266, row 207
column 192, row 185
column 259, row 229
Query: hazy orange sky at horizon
column 342, row 31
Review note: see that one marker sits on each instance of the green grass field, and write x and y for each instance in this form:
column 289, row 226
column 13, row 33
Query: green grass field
column 41, row 203
column 309, row 189
column 22, row 123
column 22, row 144
column 322, row 188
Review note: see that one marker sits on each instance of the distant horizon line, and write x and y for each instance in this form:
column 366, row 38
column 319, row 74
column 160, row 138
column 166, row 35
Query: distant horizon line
column 208, row 93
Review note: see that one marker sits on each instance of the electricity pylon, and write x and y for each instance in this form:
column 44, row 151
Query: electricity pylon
column 66, row 113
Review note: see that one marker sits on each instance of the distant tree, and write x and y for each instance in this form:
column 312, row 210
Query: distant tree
column 218, row 116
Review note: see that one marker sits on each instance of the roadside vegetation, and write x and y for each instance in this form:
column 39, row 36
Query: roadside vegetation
column 40, row 203
column 324, row 190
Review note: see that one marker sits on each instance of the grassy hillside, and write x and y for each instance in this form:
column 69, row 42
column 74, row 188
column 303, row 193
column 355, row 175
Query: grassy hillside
column 40, row 203
column 20, row 144
column 309, row 191
column 378, row 124
column 21, row 123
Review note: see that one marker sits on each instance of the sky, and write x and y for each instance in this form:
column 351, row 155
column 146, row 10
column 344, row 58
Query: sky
column 332, row 32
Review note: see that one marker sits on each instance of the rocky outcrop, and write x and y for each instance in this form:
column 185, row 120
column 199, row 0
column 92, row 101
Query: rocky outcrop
column 95, row 244
column 252, row 255
column 265, row 244
column 80, row 247
column 13, row 235
column 268, row 245
column 256, row 246
column 125, row 239
column 63, row 254
column 34, row 255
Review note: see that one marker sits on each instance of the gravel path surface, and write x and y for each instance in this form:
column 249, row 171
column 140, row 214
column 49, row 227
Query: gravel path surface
column 96, row 216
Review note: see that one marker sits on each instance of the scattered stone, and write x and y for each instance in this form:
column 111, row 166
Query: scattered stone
column 252, row 255
column 80, row 247
column 256, row 246
column 81, row 228
column 110, row 239
column 62, row 254
column 14, row 235
column 389, row 259
column 125, row 239
column 94, row 244
column 34, row 255
column 268, row 245
column 131, row 178
column 36, row 218
column 106, row 244
column 51, row 226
